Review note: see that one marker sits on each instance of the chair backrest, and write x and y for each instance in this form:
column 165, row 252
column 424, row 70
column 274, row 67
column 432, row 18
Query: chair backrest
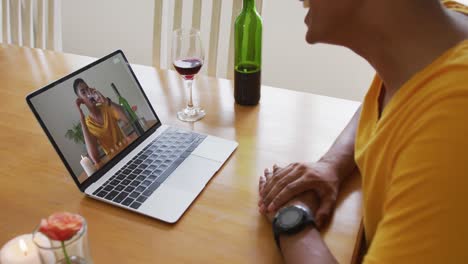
column 208, row 16
column 32, row 23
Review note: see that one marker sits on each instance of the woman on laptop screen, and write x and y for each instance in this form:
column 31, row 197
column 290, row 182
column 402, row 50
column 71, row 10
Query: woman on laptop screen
column 101, row 126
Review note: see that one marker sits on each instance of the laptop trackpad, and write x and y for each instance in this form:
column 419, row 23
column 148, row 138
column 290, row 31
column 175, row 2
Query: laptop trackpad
column 193, row 174
column 168, row 204
column 215, row 148
column 175, row 195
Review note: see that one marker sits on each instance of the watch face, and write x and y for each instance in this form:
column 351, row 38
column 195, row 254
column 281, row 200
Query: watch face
column 289, row 218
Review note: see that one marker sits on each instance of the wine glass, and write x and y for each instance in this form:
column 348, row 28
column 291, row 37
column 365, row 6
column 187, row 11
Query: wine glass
column 187, row 58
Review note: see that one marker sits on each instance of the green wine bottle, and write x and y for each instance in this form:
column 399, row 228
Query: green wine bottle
column 247, row 55
column 132, row 117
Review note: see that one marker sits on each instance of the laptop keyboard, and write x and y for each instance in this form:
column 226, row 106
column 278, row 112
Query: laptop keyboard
column 144, row 173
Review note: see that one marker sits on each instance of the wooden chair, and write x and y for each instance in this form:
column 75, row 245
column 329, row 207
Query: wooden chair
column 199, row 12
column 32, row 23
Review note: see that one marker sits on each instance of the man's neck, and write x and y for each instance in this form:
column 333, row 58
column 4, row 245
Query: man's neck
column 409, row 37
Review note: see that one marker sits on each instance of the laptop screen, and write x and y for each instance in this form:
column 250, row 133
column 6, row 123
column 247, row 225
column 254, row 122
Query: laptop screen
column 94, row 114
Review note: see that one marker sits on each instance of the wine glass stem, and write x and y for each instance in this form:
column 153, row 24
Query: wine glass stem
column 188, row 84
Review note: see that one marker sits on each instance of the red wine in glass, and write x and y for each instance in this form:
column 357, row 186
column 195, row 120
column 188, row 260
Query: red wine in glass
column 188, row 67
column 187, row 58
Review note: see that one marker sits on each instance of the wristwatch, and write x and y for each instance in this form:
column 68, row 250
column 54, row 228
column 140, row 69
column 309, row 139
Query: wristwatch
column 291, row 220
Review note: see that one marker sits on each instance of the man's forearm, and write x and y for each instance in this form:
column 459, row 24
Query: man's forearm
column 341, row 153
column 306, row 246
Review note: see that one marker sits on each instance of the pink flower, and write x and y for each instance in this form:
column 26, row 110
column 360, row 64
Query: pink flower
column 61, row 226
column 134, row 108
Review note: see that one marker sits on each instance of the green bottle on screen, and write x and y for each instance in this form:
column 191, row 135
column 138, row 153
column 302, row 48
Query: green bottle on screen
column 132, row 117
column 247, row 55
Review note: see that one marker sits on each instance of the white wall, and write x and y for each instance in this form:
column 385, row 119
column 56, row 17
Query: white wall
column 289, row 62
column 96, row 28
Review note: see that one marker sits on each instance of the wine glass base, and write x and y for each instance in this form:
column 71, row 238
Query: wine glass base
column 191, row 114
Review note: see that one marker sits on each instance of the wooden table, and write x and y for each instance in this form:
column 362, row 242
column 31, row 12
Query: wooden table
column 223, row 224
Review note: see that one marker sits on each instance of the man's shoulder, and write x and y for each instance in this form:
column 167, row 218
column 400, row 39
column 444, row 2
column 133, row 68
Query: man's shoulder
column 448, row 75
column 458, row 55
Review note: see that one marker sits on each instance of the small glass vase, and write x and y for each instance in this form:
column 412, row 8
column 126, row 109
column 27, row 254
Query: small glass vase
column 72, row 251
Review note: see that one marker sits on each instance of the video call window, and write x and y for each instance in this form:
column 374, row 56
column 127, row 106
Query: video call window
column 94, row 115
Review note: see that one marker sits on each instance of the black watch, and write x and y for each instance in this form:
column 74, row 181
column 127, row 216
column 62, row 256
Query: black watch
column 291, row 220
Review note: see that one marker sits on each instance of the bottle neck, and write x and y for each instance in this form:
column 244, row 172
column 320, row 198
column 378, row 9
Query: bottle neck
column 248, row 5
column 115, row 89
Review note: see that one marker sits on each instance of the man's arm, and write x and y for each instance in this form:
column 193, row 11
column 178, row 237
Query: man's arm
column 341, row 153
column 306, row 246
column 322, row 177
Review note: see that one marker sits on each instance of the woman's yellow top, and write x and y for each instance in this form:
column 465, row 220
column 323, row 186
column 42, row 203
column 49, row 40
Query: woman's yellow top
column 108, row 133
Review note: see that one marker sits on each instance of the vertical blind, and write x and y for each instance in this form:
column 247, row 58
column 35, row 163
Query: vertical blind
column 32, row 23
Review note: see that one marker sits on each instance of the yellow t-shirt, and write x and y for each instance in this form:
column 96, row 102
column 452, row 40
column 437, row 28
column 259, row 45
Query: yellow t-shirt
column 108, row 134
column 414, row 166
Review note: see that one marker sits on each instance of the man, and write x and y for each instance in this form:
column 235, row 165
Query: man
column 408, row 140
column 101, row 125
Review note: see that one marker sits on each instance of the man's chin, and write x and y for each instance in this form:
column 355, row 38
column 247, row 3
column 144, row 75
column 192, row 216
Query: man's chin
column 311, row 38
column 315, row 35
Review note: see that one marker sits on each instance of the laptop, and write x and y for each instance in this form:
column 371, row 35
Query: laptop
column 110, row 139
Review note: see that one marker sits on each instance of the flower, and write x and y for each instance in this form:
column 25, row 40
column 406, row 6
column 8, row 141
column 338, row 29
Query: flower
column 61, row 226
column 134, row 108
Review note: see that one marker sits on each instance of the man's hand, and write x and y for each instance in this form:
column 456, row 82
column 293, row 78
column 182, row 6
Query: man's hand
column 298, row 178
column 79, row 102
column 306, row 199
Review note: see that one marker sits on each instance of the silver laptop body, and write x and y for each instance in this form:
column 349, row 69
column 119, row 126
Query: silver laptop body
column 158, row 173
